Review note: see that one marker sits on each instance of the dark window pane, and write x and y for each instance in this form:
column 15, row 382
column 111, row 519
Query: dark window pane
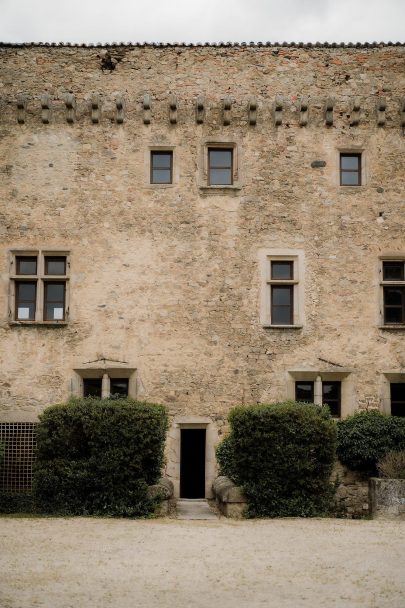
column 350, row 178
column 92, row 387
column 55, row 311
column 393, row 296
column 119, row 386
column 350, row 162
column 26, row 265
column 398, row 399
column 55, row 265
column 161, row 176
column 331, row 396
column 393, row 315
column 304, row 391
column 393, row 271
column 220, row 177
column 55, row 292
column 282, row 270
column 281, row 315
column 220, row 158
column 281, row 296
column 161, row 160
column 26, row 291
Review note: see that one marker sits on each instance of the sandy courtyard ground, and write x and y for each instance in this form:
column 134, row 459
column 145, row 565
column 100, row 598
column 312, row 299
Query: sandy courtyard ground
column 95, row 563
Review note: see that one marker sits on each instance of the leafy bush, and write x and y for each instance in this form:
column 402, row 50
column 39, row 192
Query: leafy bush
column 392, row 465
column 23, row 502
column 366, row 437
column 98, row 457
column 282, row 455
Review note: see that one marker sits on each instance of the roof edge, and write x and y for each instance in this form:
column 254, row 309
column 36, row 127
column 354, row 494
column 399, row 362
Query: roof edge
column 305, row 45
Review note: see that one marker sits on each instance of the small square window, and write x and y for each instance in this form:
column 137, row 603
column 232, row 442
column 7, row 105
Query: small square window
column 350, row 169
column 55, row 265
column 220, row 166
column 304, row 391
column 92, row 387
column 161, row 167
column 119, row 386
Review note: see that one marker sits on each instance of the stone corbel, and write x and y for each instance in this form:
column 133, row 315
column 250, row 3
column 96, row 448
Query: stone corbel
column 173, row 109
column 226, row 106
column 252, row 111
column 381, row 107
column 95, row 109
column 146, row 105
column 199, row 110
column 278, row 110
column 21, row 109
column 46, row 106
column 355, row 112
column 329, row 111
column 70, row 104
column 304, row 103
column 119, row 109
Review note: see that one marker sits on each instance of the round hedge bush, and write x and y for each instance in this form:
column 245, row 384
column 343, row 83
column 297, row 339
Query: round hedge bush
column 282, row 455
column 366, row 437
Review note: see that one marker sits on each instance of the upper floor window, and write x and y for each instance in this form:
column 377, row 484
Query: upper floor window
column 282, row 288
column 38, row 287
column 220, row 166
column 350, row 169
column 393, row 288
column 161, row 167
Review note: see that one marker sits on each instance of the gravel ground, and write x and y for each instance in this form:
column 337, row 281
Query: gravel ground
column 103, row 563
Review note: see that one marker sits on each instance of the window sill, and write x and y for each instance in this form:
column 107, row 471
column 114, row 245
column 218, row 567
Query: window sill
column 351, row 188
column 214, row 188
column 268, row 326
column 38, row 323
column 395, row 327
column 159, row 186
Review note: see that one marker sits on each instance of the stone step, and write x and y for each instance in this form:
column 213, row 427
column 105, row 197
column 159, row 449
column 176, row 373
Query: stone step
column 190, row 508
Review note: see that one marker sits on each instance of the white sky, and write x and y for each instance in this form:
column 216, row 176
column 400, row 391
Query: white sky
column 202, row 20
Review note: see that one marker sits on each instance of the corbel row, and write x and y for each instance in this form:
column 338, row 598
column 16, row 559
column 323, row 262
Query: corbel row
column 279, row 108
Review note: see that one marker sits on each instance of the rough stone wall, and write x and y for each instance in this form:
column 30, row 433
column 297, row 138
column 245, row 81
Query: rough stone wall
column 167, row 279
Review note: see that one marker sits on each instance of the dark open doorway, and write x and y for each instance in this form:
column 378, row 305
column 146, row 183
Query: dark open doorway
column 192, row 463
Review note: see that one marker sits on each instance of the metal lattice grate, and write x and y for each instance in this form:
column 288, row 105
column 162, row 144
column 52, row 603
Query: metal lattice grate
column 19, row 441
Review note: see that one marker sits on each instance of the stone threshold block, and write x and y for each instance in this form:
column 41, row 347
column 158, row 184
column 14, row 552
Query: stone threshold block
column 230, row 499
column 387, row 498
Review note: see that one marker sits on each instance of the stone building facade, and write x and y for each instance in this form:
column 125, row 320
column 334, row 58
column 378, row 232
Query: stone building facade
column 202, row 226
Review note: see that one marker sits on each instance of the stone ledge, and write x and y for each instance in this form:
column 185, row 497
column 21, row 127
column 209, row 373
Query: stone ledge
column 163, row 488
column 230, row 499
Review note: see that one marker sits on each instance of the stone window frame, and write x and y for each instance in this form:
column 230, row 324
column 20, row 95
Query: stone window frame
column 203, row 164
column 343, row 375
column 388, row 377
column 41, row 279
column 148, row 165
column 297, row 256
column 105, row 374
column 355, row 149
column 394, row 257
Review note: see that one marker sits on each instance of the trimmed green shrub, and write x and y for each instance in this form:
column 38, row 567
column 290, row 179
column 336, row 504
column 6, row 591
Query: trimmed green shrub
column 22, row 502
column 366, row 437
column 97, row 457
column 282, row 455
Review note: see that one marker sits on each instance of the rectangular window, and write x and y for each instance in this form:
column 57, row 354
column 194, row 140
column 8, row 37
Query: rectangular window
column 304, row 391
column 92, row 387
column 393, row 287
column 38, row 287
column 119, row 386
column 161, row 167
column 350, row 169
column 282, row 292
column 331, row 392
column 397, row 399
column 25, row 300
column 220, row 166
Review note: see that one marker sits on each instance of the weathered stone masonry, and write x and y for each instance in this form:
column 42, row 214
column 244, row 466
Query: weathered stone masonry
column 165, row 282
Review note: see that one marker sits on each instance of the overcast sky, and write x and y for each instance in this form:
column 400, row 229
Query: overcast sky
column 200, row 21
